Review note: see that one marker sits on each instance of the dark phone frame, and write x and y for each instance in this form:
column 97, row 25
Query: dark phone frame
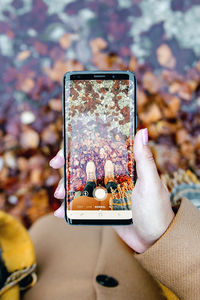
column 82, row 75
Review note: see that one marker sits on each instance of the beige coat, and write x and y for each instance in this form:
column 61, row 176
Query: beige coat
column 70, row 257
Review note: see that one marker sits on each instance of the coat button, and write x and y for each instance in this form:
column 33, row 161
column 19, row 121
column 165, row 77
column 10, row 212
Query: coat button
column 107, row 281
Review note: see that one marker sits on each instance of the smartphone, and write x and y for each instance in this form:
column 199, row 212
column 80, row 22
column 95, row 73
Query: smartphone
column 99, row 124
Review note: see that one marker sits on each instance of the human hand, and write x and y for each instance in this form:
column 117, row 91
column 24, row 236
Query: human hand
column 58, row 162
column 151, row 207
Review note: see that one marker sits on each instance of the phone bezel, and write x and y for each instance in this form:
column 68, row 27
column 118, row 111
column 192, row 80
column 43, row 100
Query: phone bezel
column 94, row 75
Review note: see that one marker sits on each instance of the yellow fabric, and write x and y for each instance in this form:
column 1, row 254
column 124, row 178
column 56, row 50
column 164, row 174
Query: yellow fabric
column 168, row 293
column 17, row 247
column 11, row 294
column 17, row 250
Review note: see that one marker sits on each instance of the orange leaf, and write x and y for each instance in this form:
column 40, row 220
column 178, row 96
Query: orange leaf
column 65, row 41
column 98, row 44
column 152, row 115
column 165, row 56
column 29, row 138
column 151, row 83
column 23, row 55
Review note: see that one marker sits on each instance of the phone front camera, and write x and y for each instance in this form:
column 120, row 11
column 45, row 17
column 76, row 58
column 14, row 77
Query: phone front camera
column 113, row 76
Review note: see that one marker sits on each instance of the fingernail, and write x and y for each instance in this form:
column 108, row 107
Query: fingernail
column 56, row 161
column 59, row 212
column 59, row 192
column 145, row 136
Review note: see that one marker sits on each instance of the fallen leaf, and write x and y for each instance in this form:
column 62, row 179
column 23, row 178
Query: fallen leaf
column 165, row 56
column 151, row 83
column 182, row 136
column 98, row 44
column 152, row 114
column 23, row 55
column 26, row 85
column 56, row 104
column 65, row 41
column 29, row 138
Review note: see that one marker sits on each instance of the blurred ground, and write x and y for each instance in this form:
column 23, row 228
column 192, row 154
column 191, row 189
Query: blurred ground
column 41, row 40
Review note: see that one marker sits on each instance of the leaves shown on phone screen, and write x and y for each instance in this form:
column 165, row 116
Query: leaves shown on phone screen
column 99, row 123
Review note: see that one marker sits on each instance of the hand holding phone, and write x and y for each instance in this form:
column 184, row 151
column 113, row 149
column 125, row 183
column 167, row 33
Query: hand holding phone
column 152, row 212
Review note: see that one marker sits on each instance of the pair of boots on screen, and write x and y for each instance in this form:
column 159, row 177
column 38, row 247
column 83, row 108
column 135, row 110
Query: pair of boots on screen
column 91, row 184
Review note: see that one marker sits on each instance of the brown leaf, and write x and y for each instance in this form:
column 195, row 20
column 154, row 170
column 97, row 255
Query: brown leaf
column 193, row 85
column 185, row 92
column 153, row 114
column 39, row 205
column 65, row 41
column 50, row 135
column 165, row 128
column 198, row 65
column 36, row 177
column 187, row 150
column 29, row 138
column 133, row 63
column 98, row 44
column 2, row 201
column 166, row 157
column 142, row 99
column 183, row 89
column 22, row 164
column 23, row 55
column 173, row 105
column 182, row 136
column 26, row 85
column 153, row 131
column 165, row 56
column 174, row 87
column 151, row 83
column 10, row 159
column 60, row 67
column 55, row 104
column 40, row 47
column 57, row 71
column 36, row 161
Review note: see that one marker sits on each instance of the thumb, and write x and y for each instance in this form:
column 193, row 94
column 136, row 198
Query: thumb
column 145, row 164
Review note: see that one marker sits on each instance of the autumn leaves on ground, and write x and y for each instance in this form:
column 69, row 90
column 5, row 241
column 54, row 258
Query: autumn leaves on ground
column 30, row 112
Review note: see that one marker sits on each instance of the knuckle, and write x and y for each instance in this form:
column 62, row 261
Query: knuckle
column 149, row 155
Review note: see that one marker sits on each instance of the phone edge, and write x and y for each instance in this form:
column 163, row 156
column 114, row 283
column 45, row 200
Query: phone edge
column 96, row 222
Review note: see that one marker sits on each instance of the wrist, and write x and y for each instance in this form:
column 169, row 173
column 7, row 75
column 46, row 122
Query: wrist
column 149, row 239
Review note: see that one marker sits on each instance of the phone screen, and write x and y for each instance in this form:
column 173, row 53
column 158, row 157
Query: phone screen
column 99, row 122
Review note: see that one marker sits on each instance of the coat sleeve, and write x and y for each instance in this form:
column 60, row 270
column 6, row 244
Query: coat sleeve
column 174, row 259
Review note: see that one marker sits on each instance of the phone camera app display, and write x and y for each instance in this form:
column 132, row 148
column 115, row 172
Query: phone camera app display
column 99, row 133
